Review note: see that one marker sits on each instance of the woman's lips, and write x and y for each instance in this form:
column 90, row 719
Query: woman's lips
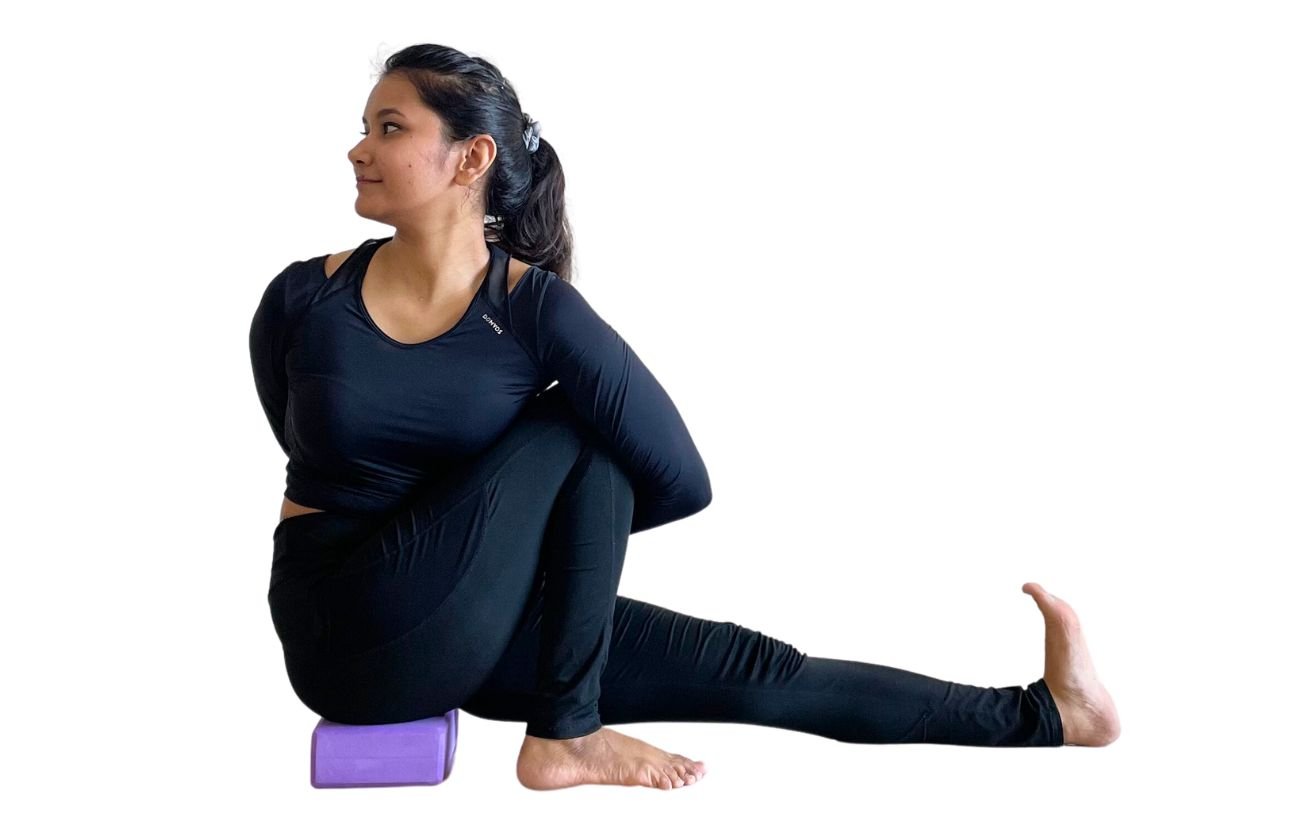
column 367, row 181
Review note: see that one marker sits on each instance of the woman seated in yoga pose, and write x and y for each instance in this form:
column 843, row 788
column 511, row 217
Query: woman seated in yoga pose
column 469, row 448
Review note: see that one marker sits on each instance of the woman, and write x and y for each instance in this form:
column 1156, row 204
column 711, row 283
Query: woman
column 453, row 531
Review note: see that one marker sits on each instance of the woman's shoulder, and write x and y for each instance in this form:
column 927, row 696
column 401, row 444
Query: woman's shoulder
column 334, row 261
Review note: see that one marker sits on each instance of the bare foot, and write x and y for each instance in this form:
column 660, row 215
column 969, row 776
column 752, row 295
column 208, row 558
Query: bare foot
column 604, row 756
column 1088, row 715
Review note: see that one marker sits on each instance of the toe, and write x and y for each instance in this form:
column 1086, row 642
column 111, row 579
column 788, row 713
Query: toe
column 689, row 766
column 1037, row 593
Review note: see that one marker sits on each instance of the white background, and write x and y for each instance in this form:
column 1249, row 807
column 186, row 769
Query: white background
column 952, row 296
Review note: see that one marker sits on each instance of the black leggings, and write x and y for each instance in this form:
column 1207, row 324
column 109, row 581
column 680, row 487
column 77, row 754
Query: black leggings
column 494, row 591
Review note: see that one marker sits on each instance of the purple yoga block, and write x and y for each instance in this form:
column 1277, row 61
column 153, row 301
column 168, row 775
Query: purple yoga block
column 414, row 753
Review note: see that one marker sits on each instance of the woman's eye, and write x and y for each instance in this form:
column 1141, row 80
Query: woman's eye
column 386, row 124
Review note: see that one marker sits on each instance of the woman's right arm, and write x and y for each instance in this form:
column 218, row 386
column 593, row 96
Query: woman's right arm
column 266, row 346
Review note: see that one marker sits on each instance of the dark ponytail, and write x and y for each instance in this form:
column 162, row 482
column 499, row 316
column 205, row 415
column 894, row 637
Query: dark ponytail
column 524, row 201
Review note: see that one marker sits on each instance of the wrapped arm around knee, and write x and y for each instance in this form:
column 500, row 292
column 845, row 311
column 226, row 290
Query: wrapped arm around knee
column 611, row 388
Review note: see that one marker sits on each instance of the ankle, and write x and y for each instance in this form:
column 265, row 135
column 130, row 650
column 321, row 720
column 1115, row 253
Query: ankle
column 566, row 742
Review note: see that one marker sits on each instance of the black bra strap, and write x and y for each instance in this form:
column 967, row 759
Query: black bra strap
column 361, row 256
column 347, row 271
column 496, row 284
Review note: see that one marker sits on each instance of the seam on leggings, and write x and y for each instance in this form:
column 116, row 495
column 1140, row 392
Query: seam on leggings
column 473, row 560
column 922, row 723
column 614, row 568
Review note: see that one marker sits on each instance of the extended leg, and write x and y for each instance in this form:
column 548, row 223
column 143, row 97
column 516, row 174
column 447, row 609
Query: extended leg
column 668, row 666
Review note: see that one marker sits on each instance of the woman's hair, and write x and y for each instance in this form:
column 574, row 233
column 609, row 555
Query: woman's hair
column 524, row 198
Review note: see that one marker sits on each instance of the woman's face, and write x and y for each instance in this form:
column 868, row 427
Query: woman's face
column 402, row 148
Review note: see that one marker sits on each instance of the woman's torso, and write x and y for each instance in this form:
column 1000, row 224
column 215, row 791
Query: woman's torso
column 405, row 329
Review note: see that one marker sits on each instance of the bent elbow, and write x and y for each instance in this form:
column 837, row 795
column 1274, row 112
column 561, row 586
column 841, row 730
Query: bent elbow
column 697, row 493
column 703, row 494
column 651, row 511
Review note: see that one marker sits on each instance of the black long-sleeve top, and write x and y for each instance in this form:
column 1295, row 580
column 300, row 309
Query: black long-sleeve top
column 365, row 419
